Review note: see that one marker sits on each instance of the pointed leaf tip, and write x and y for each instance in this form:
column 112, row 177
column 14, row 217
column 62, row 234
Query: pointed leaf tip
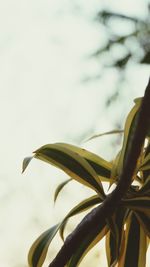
column 116, row 131
column 25, row 163
column 39, row 248
column 59, row 188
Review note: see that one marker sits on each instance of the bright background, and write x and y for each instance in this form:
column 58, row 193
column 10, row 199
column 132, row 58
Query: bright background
column 44, row 50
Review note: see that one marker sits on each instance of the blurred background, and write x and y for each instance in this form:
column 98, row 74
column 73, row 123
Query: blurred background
column 68, row 70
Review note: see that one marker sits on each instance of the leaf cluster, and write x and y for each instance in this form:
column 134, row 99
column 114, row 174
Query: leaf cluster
column 127, row 229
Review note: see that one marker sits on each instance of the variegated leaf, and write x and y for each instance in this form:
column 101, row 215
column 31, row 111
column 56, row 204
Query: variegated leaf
column 88, row 242
column 128, row 133
column 116, row 131
column 38, row 250
column 115, row 236
column 135, row 247
column 138, row 203
column 59, row 188
column 100, row 165
column 82, row 206
column 144, row 220
column 72, row 163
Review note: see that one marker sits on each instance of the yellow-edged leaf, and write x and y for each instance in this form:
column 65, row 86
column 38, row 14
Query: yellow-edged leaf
column 114, row 171
column 144, row 219
column 145, row 163
column 38, row 250
column 72, row 163
column 89, row 241
column 116, row 131
column 134, row 253
column 59, row 188
column 82, row 206
column 114, row 237
column 138, row 203
column 145, row 189
column 129, row 126
column 101, row 166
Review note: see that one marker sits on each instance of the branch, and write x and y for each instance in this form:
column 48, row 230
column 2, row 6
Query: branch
column 109, row 205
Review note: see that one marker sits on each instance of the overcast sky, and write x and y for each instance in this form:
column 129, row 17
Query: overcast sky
column 43, row 58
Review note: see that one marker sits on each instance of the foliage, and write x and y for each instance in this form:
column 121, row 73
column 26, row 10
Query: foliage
column 127, row 231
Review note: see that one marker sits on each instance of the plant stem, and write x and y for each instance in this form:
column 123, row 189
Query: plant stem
column 109, row 205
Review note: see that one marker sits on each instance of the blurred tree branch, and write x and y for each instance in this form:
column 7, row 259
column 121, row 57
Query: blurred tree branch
column 133, row 47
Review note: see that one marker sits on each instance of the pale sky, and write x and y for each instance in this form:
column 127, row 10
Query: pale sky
column 43, row 48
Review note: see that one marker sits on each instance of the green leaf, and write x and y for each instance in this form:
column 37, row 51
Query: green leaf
column 38, row 250
column 145, row 167
column 145, row 189
column 25, row 163
column 59, row 188
column 146, row 173
column 89, row 241
column 101, row 166
column 82, row 206
column 134, row 253
column 138, row 100
column 111, row 245
column 144, row 220
column 128, row 133
column 114, row 171
column 72, row 163
column 146, row 160
column 138, row 203
column 116, row 131
column 114, row 237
